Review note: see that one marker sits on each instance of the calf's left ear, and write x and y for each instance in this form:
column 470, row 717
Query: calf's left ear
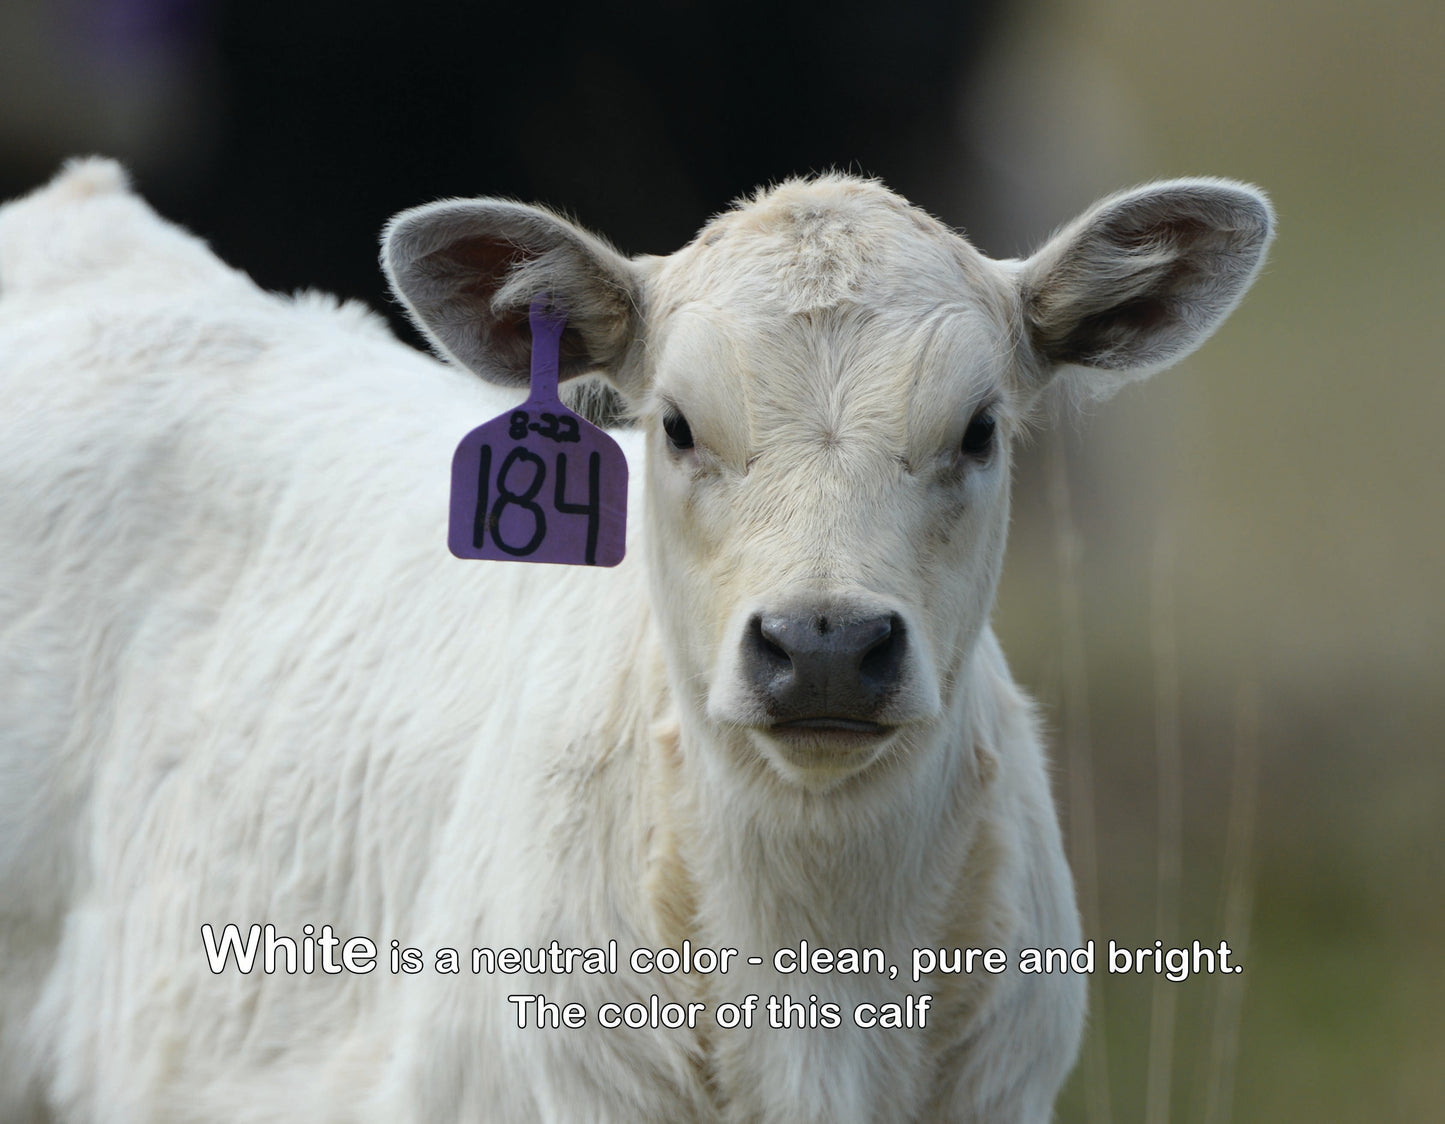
column 1142, row 279
column 468, row 269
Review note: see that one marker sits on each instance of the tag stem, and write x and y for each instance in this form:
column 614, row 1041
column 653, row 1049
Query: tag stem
column 548, row 321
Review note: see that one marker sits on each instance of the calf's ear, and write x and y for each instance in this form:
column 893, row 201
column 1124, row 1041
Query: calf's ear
column 467, row 271
column 1142, row 279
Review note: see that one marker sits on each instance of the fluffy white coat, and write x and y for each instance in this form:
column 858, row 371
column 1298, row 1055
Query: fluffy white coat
column 241, row 680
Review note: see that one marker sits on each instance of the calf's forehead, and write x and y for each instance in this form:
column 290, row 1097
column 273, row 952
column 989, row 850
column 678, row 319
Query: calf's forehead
column 811, row 245
column 838, row 280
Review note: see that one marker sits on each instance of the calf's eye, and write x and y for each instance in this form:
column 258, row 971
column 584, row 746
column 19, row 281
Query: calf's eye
column 679, row 433
column 978, row 437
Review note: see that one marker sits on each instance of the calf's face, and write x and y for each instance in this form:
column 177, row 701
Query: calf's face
column 831, row 383
column 830, row 406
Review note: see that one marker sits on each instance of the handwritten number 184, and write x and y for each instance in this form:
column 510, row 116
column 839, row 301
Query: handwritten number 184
column 488, row 517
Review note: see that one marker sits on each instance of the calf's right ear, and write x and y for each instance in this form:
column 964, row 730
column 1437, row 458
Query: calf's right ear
column 467, row 271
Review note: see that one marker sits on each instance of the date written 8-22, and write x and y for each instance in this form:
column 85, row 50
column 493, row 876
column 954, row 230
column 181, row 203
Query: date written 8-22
column 554, row 427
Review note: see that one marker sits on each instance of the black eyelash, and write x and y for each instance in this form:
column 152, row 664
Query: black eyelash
column 679, row 433
column 978, row 437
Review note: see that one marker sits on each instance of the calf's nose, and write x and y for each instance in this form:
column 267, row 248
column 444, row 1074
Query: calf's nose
column 813, row 664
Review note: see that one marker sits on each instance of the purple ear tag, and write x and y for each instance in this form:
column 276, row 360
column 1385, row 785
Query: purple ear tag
column 540, row 483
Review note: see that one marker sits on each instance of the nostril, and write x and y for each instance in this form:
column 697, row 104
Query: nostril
column 882, row 658
column 767, row 642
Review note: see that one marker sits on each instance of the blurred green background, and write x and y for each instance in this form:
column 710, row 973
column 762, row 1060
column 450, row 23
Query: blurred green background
column 1270, row 518
column 1224, row 586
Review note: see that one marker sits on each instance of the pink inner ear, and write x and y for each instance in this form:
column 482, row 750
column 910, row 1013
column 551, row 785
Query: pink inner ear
column 478, row 266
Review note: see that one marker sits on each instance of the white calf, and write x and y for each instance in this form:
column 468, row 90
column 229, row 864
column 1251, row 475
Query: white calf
column 241, row 680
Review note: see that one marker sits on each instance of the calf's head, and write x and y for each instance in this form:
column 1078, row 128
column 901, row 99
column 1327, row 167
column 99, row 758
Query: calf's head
column 831, row 383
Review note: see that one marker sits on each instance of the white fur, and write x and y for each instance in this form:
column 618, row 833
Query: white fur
column 242, row 681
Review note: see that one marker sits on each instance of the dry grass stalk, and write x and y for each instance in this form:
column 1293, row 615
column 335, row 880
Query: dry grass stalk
column 1237, row 908
column 1168, row 756
column 1078, row 755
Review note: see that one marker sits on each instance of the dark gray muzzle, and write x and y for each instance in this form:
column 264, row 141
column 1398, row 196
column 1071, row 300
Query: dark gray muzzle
column 821, row 667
